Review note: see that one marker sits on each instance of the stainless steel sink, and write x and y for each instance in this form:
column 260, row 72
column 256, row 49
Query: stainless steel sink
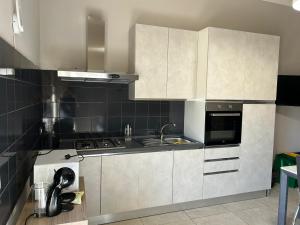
column 153, row 142
column 166, row 141
column 177, row 141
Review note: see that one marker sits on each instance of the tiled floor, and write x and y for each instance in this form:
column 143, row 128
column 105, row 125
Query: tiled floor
column 261, row 211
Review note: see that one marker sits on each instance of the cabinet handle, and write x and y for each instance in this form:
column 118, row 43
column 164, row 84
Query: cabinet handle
column 224, row 114
column 220, row 172
column 221, row 159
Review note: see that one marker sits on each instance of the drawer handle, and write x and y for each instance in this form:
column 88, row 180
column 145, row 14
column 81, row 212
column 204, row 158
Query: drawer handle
column 224, row 114
column 220, row 172
column 221, row 159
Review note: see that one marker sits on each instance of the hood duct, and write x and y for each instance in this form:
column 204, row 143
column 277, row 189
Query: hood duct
column 95, row 53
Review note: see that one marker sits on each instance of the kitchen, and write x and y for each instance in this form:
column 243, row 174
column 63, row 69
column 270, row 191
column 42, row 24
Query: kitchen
column 176, row 134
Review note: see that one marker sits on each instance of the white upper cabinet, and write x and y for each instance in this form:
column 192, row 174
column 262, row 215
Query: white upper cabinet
column 237, row 65
column 262, row 67
column 257, row 147
column 226, row 64
column 28, row 42
column 165, row 60
column 182, row 64
column 150, row 62
column 6, row 14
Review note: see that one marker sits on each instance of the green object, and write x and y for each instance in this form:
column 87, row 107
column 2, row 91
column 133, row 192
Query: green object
column 284, row 160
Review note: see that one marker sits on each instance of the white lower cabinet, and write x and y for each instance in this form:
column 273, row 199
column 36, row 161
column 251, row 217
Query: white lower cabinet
column 221, row 184
column 188, row 175
column 119, row 183
column 155, row 179
column 257, row 147
column 136, row 181
column 90, row 169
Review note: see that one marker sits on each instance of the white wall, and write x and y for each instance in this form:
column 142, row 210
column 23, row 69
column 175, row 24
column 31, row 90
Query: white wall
column 63, row 26
column 287, row 132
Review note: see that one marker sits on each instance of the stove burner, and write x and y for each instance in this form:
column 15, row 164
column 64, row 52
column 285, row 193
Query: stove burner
column 98, row 144
column 84, row 144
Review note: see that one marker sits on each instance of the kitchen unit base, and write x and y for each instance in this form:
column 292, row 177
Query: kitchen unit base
column 109, row 218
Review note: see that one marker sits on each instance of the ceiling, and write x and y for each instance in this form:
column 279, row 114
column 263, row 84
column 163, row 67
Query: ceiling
column 281, row 2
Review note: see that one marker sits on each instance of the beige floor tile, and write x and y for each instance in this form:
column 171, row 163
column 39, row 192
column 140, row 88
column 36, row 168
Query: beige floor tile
column 220, row 219
column 242, row 205
column 258, row 216
column 128, row 222
column 206, row 211
column 168, row 218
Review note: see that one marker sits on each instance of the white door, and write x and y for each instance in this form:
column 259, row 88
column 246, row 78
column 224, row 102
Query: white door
column 262, row 67
column 182, row 64
column 151, row 55
column 28, row 42
column 6, row 15
column 257, row 147
column 119, row 183
column 226, row 64
column 188, row 175
column 220, row 184
column 90, row 169
column 155, row 179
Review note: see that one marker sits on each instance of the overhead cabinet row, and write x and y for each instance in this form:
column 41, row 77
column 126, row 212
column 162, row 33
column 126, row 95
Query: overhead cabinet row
column 211, row 64
column 165, row 60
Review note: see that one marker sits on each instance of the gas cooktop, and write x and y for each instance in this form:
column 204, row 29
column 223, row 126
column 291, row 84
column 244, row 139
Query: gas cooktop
column 99, row 144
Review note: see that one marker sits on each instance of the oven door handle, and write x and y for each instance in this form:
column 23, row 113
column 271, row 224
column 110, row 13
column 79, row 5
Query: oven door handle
column 224, row 114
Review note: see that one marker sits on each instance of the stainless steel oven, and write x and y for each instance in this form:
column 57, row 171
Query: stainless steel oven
column 223, row 123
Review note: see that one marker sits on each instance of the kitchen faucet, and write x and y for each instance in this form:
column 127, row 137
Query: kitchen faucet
column 162, row 130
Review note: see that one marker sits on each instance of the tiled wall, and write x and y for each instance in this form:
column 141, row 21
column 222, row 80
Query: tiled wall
column 20, row 117
column 70, row 107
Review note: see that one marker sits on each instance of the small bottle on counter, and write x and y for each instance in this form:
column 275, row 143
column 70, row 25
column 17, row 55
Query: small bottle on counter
column 128, row 132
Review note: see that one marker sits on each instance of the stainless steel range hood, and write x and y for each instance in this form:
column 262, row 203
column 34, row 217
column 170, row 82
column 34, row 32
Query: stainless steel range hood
column 95, row 71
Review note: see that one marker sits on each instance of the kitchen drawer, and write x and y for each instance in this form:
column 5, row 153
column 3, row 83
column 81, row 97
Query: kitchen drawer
column 221, row 153
column 222, row 165
column 221, row 184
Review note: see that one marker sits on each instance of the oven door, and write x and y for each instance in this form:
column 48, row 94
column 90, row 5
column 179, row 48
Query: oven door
column 223, row 128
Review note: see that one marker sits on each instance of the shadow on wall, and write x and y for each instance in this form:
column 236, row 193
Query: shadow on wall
column 287, row 129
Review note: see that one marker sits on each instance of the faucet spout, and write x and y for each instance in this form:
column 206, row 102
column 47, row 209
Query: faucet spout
column 162, row 130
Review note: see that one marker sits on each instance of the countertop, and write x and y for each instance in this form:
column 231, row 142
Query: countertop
column 134, row 146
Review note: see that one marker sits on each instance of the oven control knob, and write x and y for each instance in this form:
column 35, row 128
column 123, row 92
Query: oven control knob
column 219, row 106
column 230, row 106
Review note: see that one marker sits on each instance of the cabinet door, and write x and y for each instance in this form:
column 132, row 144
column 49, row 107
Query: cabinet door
column 90, row 169
column 222, row 184
column 188, row 175
column 155, row 179
column 257, row 147
column 28, row 42
column 6, row 14
column 262, row 67
column 226, row 64
column 151, row 55
column 182, row 64
column 120, row 183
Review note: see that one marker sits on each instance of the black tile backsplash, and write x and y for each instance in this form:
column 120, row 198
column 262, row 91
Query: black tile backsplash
column 20, row 121
column 66, row 109
column 103, row 108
